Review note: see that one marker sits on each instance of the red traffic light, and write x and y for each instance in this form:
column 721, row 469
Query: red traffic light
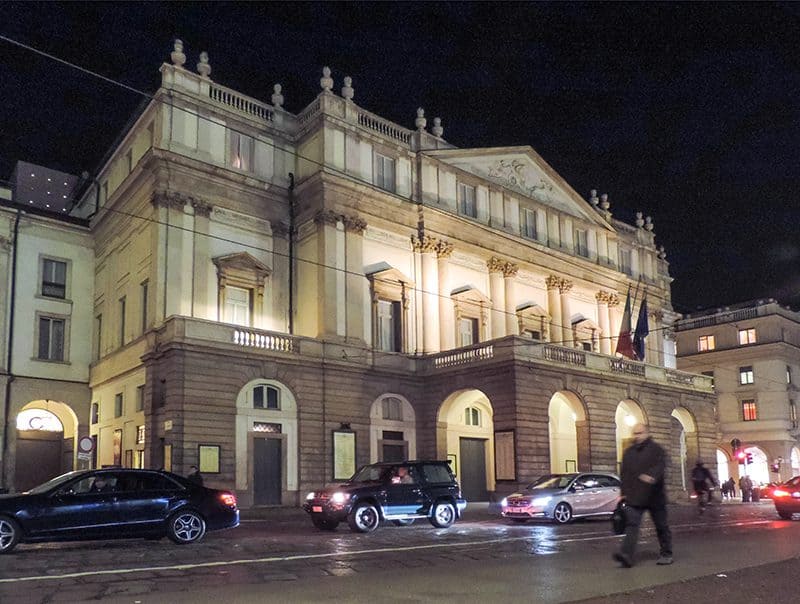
column 741, row 455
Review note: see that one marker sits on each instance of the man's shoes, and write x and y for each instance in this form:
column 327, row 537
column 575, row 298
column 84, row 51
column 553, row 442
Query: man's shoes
column 623, row 559
column 664, row 560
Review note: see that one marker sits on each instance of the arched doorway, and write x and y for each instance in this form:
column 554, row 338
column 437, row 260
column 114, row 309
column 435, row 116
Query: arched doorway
column 465, row 435
column 758, row 471
column 266, row 443
column 46, row 435
column 723, row 469
column 392, row 429
column 684, row 440
column 628, row 414
column 568, row 433
column 795, row 461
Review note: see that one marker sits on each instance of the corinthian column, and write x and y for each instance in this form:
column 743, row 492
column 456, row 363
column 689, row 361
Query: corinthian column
column 566, row 315
column 613, row 321
column 430, row 290
column 447, row 328
column 497, row 293
column 554, row 308
column 510, row 274
column 602, row 298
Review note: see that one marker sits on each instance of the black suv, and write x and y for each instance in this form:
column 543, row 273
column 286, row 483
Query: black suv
column 400, row 492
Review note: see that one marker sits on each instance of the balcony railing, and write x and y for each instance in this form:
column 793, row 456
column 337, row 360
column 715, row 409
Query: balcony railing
column 382, row 126
column 267, row 341
column 239, row 102
column 463, row 357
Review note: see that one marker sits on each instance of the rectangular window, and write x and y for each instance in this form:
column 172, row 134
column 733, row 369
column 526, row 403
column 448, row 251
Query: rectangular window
column 472, row 416
column 709, row 374
column 749, row 411
column 266, row 397
column 145, row 292
column 705, row 343
column 54, row 279
column 95, row 413
column 746, row 375
column 788, row 374
column 98, row 336
column 747, row 336
column 140, row 435
column 140, row 398
column 388, row 329
column 129, row 161
column 384, row 172
column 122, row 321
column 581, row 243
column 241, row 152
column 118, row 405
column 237, row 305
column 625, row 263
column 468, row 331
column 533, row 334
column 392, row 409
column 793, row 413
column 528, row 223
column 51, row 339
column 466, row 200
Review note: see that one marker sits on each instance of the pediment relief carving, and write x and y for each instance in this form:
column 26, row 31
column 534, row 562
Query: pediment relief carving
column 241, row 263
column 469, row 294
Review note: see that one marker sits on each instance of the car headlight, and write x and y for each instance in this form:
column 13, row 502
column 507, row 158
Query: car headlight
column 540, row 500
column 340, row 497
column 310, row 496
column 504, row 502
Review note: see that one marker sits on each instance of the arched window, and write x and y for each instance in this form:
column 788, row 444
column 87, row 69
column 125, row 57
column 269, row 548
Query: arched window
column 266, row 397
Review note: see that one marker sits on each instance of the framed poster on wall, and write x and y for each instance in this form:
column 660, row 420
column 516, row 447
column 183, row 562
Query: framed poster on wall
column 505, row 464
column 117, row 447
column 208, row 456
column 344, row 454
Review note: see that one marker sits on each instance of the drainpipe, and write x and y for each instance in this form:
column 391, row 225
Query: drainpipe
column 291, row 253
column 11, row 308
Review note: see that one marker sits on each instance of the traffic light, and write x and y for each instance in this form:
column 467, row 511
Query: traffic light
column 776, row 467
column 741, row 456
column 749, row 458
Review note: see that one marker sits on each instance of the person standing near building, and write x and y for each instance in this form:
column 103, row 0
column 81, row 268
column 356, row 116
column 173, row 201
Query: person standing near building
column 194, row 475
column 642, row 473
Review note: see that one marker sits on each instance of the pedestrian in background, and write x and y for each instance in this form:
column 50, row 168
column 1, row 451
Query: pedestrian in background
column 194, row 475
column 642, row 474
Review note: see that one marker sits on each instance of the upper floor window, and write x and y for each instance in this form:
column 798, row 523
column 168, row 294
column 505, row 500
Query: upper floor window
column 384, row 172
column 528, row 223
column 581, row 243
column 54, row 278
column 466, row 200
column 468, row 331
column 129, row 161
column 140, row 398
column 145, row 287
column 140, row 437
column 747, row 336
column 95, row 413
column 266, row 397
column 51, row 339
column 472, row 416
column 709, row 374
column 118, row 405
column 625, row 262
column 122, row 317
column 237, row 305
column 392, row 408
column 705, row 343
column 749, row 411
column 788, row 374
column 746, row 375
column 389, row 334
column 793, row 413
column 240, row 153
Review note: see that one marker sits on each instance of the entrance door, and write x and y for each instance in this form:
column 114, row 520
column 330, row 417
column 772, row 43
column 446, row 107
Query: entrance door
column 473, row 469
column 38, row 457
column 267, row 476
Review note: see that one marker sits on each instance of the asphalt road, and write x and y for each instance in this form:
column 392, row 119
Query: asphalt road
column 277, row 556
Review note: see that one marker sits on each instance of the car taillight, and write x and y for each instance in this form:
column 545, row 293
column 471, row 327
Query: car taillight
column 228, row 499
column 780, row 493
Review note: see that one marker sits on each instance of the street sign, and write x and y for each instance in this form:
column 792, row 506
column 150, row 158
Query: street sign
column 84, row 456
column 85, row 446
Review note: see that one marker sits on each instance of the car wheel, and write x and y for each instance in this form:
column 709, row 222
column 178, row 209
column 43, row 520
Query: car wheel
column 9, row 534
column 403, row 522
column 186, row 526
column 562, row 513
column 443, row 515
column 323, row 524
column 364, row 518
column 784, row 515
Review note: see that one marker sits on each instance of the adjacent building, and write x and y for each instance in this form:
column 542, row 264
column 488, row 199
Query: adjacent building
column 282, row 297
column 752, row 352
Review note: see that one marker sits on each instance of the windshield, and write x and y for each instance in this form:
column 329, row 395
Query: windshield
column 53, row 482
column 552, row 481
column 372, row 473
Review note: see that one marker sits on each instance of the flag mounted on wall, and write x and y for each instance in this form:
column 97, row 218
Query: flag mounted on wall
column 642, row 330
column 624, row 343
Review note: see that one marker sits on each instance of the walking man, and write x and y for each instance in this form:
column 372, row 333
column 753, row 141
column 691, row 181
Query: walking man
column 643, row 466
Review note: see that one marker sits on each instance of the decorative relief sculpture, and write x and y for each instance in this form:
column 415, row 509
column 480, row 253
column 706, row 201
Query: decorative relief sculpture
column 512, row 174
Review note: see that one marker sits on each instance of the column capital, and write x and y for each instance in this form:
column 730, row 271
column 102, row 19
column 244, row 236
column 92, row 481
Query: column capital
column 495, row 265
column 170, row 199
column 5, row 243
column 565, row 286
column 444, row 249
column 510, row 270
column 328, row 217
column 354, row 224
column 602, row 297
column 279, row 229
column 657, row 315
column 201, row 208
column 553, row 282
column 426, row 244
column 613, row 300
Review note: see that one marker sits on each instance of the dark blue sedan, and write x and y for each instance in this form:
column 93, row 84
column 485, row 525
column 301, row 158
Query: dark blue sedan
column 115, row 503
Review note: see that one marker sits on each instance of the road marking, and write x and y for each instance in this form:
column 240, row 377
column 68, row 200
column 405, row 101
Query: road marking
column 380, row 550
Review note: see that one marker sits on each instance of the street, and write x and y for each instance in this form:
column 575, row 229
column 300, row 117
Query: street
column 278, row 556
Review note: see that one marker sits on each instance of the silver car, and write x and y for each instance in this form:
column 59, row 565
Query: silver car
column 562, row 497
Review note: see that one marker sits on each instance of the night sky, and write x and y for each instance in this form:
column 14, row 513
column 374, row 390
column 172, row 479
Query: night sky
column 689, row 113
